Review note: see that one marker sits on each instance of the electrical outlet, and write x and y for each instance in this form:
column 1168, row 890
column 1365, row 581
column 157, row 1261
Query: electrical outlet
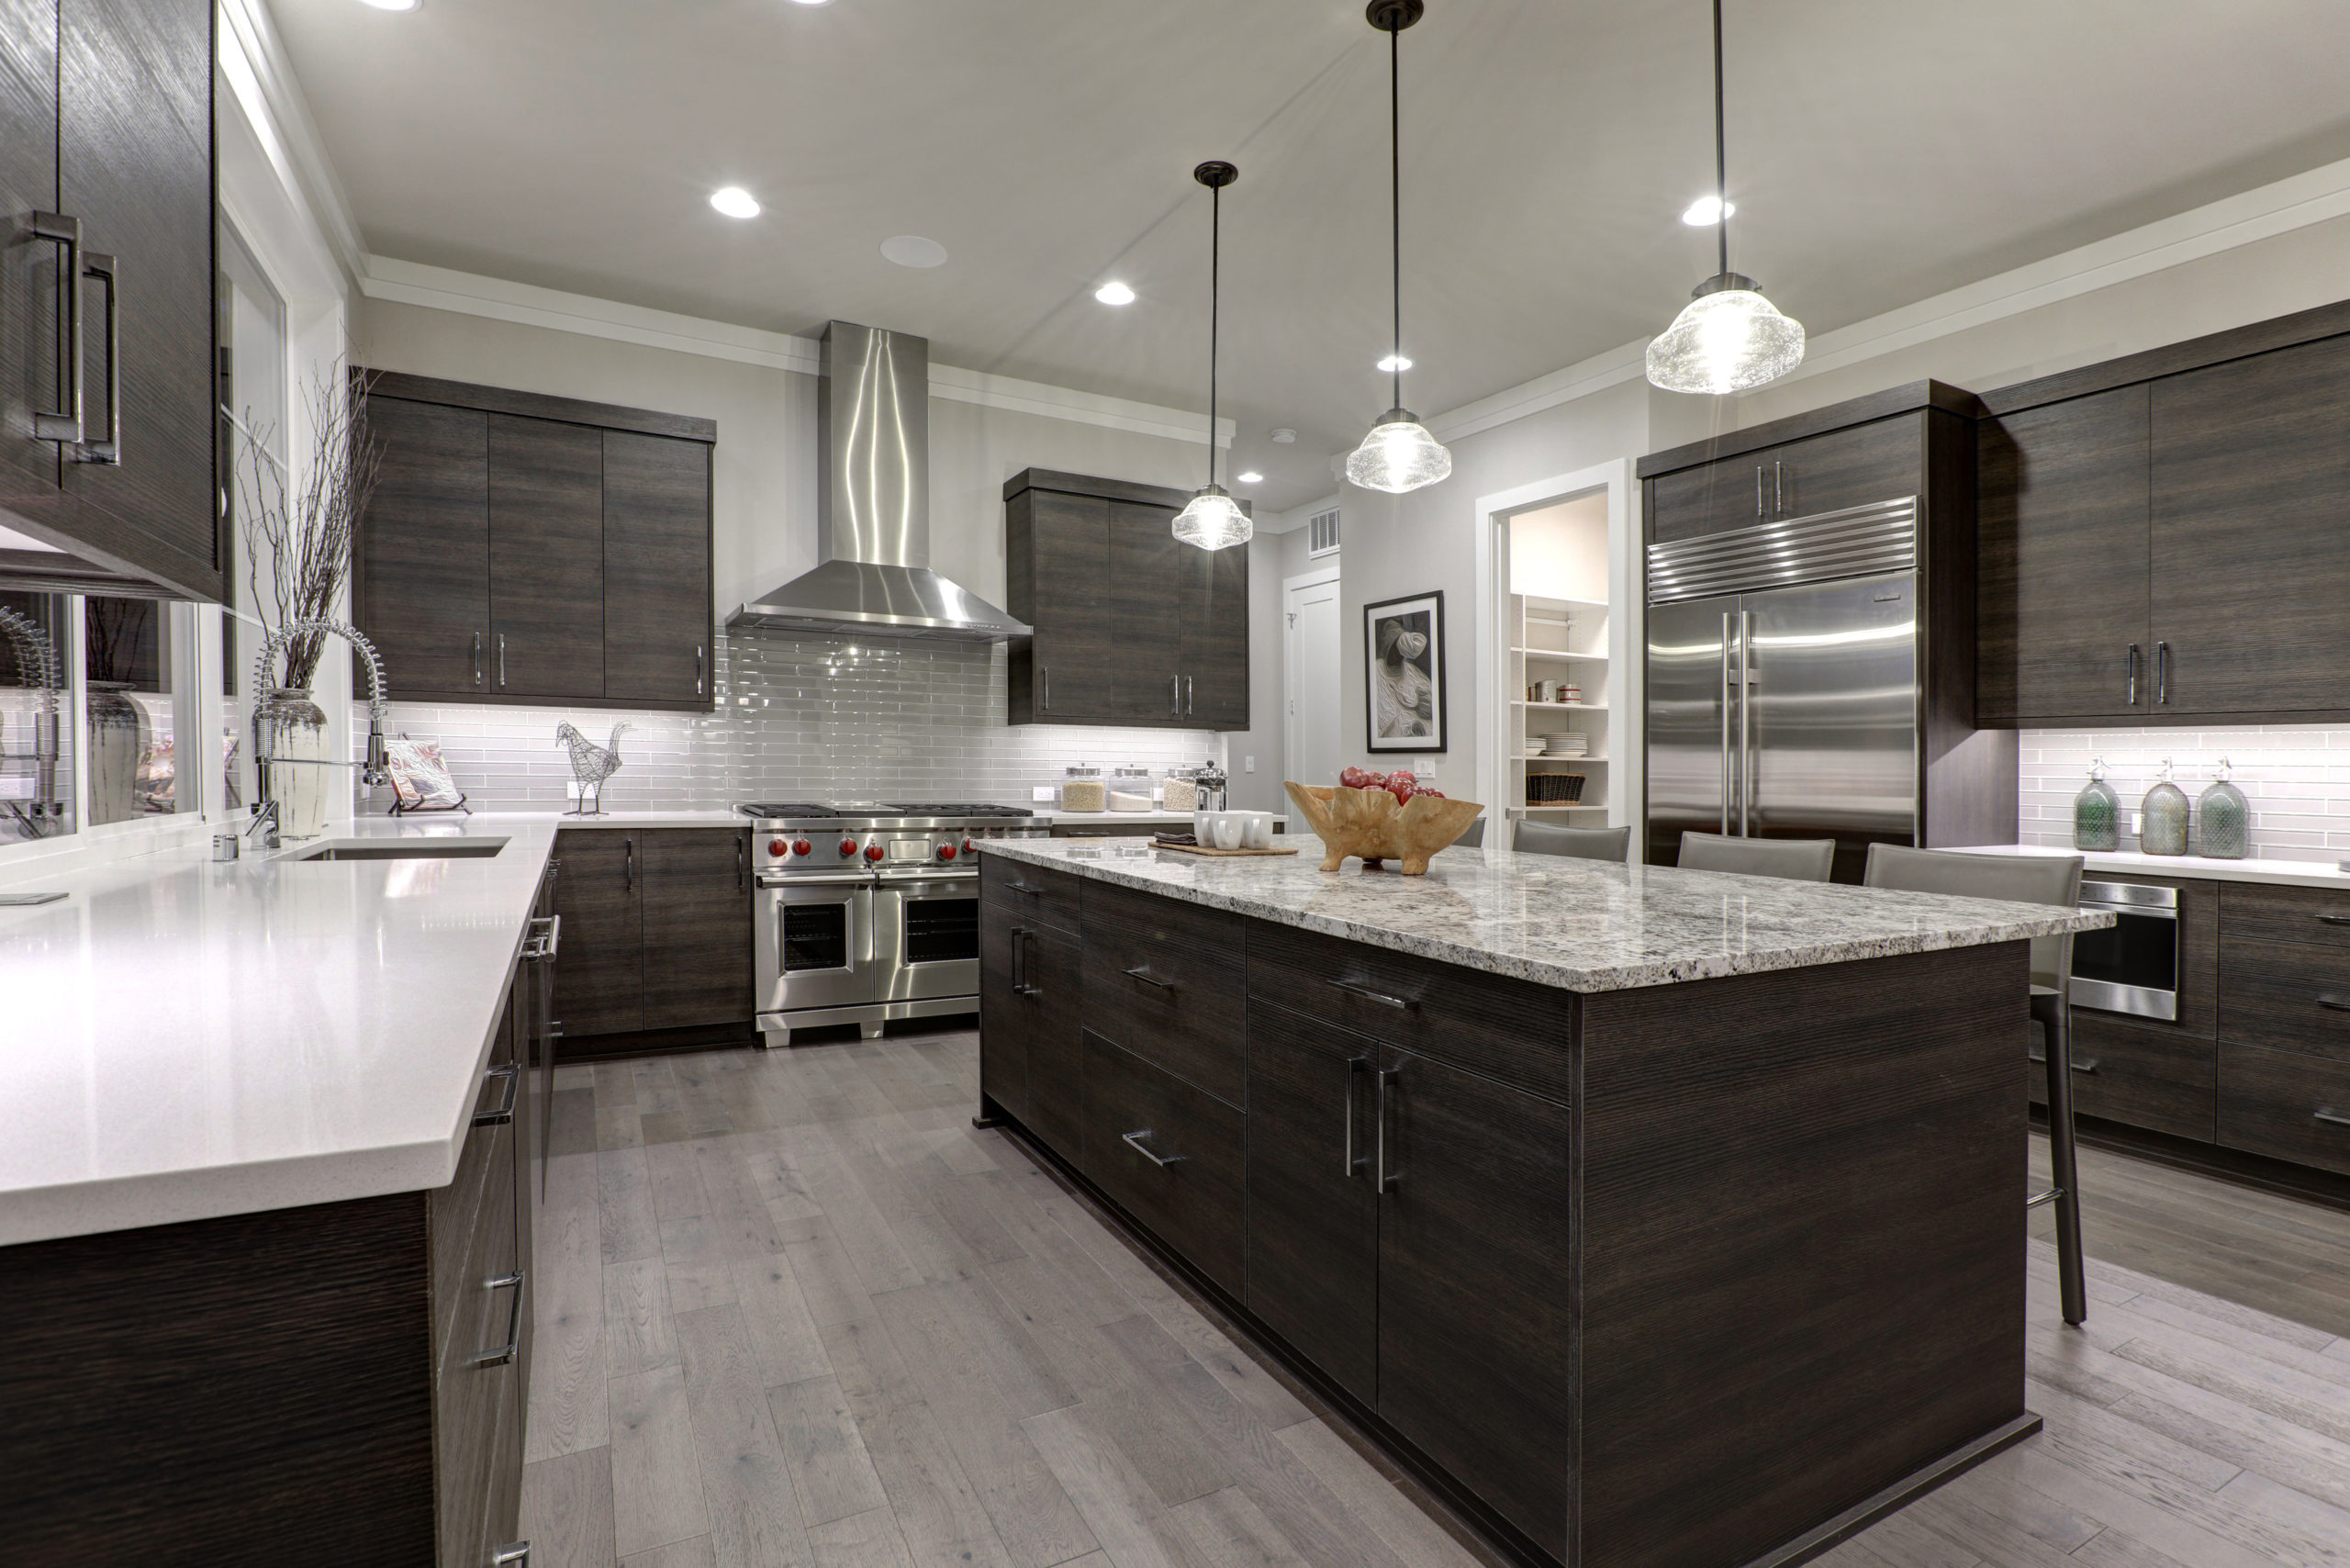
column 1248, row 763
column 1042, row 794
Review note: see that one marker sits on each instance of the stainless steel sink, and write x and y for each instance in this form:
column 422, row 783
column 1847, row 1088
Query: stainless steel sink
column 403, row 849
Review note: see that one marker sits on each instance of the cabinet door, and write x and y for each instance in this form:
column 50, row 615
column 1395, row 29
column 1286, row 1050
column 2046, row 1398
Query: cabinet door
column 134, row 159
column 657, row 607
column 1053, row 966
column 1876, row 462
column 1215, row 641
column 1007, row 1014
column 599, row 969
column 1475, row 1244
column 1153, row 590
column 2251, row 460
column 697, row 926
column 1313, row 1267
column 546, row 558
column 2062, row 551
column 423, row 588
column 1060, row 583
column 1711, row 498
column 30, row 282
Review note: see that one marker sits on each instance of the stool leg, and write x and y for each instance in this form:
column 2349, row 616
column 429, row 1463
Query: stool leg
column 2070, row 1274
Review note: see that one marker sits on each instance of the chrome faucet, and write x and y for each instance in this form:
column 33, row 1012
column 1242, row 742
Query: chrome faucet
column 264, row 818
column 377, row 768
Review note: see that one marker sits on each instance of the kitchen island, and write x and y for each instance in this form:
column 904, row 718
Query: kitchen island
column 1658, row 1219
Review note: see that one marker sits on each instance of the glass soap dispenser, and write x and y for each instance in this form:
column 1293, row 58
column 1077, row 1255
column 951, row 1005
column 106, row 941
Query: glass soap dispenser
column 2226, row 816
column 2164, row 831
column 2097, row 813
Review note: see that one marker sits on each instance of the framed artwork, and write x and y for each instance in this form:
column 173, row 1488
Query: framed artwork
column 1404, row 674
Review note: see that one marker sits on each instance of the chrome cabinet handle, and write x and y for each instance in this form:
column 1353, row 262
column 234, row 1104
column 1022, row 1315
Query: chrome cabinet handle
column 506, row 1352
column 546, row 936
column 1758, row 491
column 1174, row 696
column 2333, row 919
column 2133, row 675
column 1745, row 712
column 1779, row 490
column 1355, row 987
column 1382, row 1179
column 1725, row 775
column 477, row 658
column 1143, row 974
column 2333, row 1002
column 1012, row 887
column 511, row 1555
column 1134, row 1140
column 2327, row 1113
column 738, row 861
column 1187, row 697
column 2040, row 1058
column 1048, row 689
column 1354, row 1160
column 501, row 661
column 109, row 451
column 628, row 865
column 697, row 670
column 65, row 424
column 1019, row 980
column 504, row 1111
column 2161, row 675
column 1027, row 987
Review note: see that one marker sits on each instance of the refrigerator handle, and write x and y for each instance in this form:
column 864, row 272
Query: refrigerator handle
column 1745, row 703
column 1726, row 775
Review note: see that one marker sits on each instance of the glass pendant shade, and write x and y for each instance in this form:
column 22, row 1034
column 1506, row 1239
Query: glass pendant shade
column 1214, row 520
column 1399, row 454
column 1729, row 339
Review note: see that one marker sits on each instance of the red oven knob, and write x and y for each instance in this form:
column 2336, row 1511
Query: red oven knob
column 967, row 846
column 775, row 846
column 873, row 852
column 848, row 847
column 947, row 852
column 801, row 847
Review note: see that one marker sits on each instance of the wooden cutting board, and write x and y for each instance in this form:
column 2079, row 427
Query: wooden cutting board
column 1195, row 849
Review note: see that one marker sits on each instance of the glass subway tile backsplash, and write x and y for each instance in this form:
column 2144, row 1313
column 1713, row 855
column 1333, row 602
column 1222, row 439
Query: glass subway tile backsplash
column 2295, row 776
column 797, row 718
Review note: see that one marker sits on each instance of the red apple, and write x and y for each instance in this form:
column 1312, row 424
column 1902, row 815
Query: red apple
column 1353, row 778
column 1402, row 776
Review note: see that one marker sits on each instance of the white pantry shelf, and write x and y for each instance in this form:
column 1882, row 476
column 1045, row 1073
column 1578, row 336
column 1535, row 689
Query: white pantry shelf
column 1561, row 654
column 1573, row 707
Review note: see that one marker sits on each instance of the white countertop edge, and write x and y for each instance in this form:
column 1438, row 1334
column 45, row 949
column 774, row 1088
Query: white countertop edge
column 2184, row 868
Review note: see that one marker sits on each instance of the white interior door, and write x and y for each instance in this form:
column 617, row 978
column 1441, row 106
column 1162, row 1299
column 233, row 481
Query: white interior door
column 1310, row 749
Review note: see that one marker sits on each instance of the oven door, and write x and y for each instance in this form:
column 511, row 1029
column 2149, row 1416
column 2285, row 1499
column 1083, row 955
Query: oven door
column 927, row 929
column 2132, row 966
column 815, row 942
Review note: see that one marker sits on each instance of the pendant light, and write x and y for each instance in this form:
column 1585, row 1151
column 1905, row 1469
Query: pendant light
column 1727, row 338
column 1214, row 520
column 1399, row 454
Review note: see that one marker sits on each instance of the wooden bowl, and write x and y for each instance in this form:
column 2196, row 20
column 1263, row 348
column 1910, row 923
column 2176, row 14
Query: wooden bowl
column 1370, row 825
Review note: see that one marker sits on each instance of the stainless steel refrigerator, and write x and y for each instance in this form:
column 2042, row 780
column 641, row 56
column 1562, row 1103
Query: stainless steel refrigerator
column 1786, row 689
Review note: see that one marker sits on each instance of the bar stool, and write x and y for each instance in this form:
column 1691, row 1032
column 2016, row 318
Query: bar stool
column 1574, row 843
column 1795, row 860
column 2049, row 880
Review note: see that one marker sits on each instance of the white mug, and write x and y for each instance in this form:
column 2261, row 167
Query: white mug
column 1228, row 829
column 1201, row 829
column 1257, row 830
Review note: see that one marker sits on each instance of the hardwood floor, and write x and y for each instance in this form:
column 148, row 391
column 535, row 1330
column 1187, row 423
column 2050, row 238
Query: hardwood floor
column 796, row 1311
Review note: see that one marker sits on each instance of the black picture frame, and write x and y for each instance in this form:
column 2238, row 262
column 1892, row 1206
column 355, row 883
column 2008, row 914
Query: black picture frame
column 1404, row 706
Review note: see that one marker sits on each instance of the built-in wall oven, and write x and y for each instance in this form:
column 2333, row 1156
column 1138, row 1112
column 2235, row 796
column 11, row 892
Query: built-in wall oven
column 2132, row 966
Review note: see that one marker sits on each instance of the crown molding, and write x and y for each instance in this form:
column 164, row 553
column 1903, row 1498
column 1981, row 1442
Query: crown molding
column 1581, row 379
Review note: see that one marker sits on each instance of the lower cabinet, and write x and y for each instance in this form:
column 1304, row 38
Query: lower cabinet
column 2285, row 1105
column 1169, row 1153
column 656, row 934
column 2147, row 1078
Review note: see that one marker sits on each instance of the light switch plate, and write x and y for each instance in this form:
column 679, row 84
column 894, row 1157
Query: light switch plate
column 1248, row 763
column 1042, row 793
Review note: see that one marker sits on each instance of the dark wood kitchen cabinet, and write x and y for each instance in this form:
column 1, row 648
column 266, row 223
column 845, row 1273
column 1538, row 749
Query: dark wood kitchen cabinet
column 105, row 126
column 521, row 548
column 1031, row 974
column 1133, row 627
column 1801, row 477
column 657, row 937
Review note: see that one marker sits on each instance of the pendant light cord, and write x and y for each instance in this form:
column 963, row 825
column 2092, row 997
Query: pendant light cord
column 1396, row 191
column 1215, row 295
column 1721, row 155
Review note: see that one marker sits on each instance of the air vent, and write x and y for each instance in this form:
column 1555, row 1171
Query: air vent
column 1322, row 534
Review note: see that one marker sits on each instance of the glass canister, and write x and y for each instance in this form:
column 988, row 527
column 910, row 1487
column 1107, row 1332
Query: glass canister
column 2097, row 813
column 1130, row 787
column 2164, row 830
column 1183, row 791
column 1082, row 789
column 2226, row 817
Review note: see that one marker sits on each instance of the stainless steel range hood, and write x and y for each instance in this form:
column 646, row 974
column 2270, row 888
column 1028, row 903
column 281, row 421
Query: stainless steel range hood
column 873, row 506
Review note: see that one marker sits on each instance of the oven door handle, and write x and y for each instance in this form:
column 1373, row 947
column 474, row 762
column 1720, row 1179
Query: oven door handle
column 2135, row 911
column 901, row 878
column 773, row 884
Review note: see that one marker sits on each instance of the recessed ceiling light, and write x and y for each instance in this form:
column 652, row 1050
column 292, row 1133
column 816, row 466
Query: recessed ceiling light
column 1707, row 211
column 1114, row 294
column 913, row 250
column 1283, row 436
column 1394, row 362
column 394, row 5
column 733, row 200
column 1251, row 478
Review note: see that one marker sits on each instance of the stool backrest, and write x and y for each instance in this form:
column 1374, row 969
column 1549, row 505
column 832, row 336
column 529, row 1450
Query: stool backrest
column 1575, row 842
column 1473, row 836
column 2020, row 879
column 1797, row 859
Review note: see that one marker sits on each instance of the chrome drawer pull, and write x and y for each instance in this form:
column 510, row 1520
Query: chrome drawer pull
column 1354, row 988
column 2333, row 920
column 512, row 1073
column 1022, row 888
column 2040, row 1058
column 1143, row 975
column 507, row 1352
column 518, row 1552
column 64, row 423
column 1133, row 1141
column 2328, row 1114
column 1382, row 1179
column 546, row 936
column 109, row 450
column 2333, row 1002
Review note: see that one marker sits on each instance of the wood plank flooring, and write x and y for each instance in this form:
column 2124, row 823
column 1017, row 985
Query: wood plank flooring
column 796, row 1311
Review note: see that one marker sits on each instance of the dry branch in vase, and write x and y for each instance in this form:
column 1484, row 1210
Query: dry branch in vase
column 305, row 540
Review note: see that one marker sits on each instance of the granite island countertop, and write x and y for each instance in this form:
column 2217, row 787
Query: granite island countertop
column 1578, row 925
column 185, row 1038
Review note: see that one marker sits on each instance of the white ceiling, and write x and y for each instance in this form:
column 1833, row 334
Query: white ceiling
column 1880, row 151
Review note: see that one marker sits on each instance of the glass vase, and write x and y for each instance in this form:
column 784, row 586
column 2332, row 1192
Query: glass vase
column 2097, row 813
column 117, row 737
column 2226, row 818
column 2164, row 829
column 301, row 774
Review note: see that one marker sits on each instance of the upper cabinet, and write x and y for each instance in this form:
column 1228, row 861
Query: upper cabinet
column 106, row 425
column 2161, row 535
column 521, row 548
column 1796, row 478
column 1133, row 627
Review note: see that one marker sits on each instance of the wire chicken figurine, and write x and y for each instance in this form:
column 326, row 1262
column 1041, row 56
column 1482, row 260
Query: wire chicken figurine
column 591, row 765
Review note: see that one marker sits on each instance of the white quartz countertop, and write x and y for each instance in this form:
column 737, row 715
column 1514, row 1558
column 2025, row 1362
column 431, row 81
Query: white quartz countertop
column 1578, row 925
column 2288, row 873
column 185, row 1039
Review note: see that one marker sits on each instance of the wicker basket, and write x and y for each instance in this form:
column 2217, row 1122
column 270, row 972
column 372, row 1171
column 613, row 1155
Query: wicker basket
column 1553, row 789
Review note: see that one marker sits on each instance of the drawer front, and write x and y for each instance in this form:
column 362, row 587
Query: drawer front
column 453, row 1214
column 2146, row 1077
column 1164, row 981
column 1509, row 1030
column 2287, row 996
column 2291, row 1107
column 1193, row 1201
column 1031, row 893
column 2316, row 916
column 467, row 1402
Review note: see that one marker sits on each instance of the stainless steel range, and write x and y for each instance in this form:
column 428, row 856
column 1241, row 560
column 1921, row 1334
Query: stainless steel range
column 867, row 912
